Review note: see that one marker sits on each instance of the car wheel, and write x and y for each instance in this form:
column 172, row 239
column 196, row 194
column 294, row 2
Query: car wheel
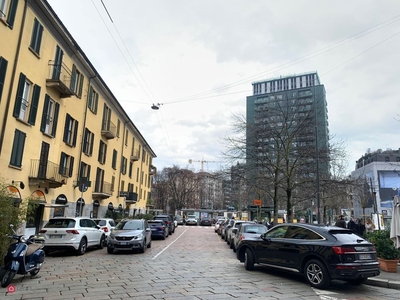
column 149, row 245
column 102, row 242
column 82, row 247
column 358, row 281
column 248, row 260
column 234, row 248
column 7, row 277
column 231, row 244
column 110, row 250
column 316, row 274
column 143, row 249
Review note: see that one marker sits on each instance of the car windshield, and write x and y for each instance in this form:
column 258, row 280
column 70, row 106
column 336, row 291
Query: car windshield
column 60, row 223
column 130, row 225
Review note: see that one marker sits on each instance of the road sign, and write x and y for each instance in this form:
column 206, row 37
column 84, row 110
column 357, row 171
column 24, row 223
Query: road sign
column 257, row 202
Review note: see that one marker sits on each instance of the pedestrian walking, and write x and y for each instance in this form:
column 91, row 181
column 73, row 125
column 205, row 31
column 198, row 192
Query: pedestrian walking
column 341, row 222
column 351, row 224
column 360, row 227
column 369, row 225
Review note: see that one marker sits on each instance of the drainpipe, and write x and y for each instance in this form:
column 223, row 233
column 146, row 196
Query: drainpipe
column 14, row 70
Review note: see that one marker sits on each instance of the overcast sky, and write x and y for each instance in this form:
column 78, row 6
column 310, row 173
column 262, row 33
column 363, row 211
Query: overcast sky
column 199, row 58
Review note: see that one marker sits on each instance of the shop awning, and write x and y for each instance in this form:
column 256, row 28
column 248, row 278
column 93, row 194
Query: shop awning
column 51, row 205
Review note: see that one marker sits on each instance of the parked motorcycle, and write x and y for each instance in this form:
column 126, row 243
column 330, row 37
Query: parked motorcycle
column 23, row 257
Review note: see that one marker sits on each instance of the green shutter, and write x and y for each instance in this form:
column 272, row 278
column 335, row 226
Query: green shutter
column 75, row 134
column 67, row 121
column 44, row 115
column 34, row 106
column 91, row 144
column 12, row 12
column 20, row 92
column 3, row 69
column 80, row 85
column 34, row 35
column 55, row 119
column 71, row 166
column 73, row 78
column 18, row 148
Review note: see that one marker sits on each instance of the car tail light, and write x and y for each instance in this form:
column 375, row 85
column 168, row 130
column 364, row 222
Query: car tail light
column 42, row 231
column 342, row 250
column 105, row 229
column 73, row 231
column 242, row 237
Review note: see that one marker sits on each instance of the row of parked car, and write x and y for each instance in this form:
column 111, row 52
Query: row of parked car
column 80, row 233
column 321, row 253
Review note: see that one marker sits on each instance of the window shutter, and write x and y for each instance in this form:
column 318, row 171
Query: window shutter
column 12, row 12
column 67, row 122
column 88, row 172
column 91, row 144
column 80, row 86
column 55, row 119
column 3, row 69
column 45, row 115
column 73, row 78
column 71, row 166
column 62, row 160
column 75, row 134
column 18, row 148
column 20, row 92
column 96, row 100
column 34, row 107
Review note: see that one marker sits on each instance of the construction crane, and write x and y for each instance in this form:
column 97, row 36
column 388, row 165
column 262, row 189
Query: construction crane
column 202, row 162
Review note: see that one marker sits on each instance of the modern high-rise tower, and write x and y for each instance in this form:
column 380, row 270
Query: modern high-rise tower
column 287, row 119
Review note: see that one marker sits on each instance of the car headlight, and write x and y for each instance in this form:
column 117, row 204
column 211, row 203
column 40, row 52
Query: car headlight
column 111, row 237
column 140, row 236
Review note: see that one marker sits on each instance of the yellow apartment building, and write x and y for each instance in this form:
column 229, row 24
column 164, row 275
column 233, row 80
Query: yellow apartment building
column 67, row 147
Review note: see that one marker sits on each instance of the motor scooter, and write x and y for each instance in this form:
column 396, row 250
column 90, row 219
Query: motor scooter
column 23, row 257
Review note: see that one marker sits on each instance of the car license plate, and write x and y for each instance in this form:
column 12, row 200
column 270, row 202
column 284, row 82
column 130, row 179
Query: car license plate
column 54, row 236
column 365, row 256
column 123, row 243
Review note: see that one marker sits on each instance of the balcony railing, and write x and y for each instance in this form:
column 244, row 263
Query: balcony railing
column 153, row 170
column 60, row 79
column 108, row 130
column 47, row 173
column 102, row 190
column 135, row 155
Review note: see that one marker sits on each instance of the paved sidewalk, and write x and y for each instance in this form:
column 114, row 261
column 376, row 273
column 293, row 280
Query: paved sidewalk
column 386, row 279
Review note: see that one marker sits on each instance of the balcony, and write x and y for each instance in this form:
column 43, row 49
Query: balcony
column 60, row 79
column 108, row 130
column 135, row 155
column 102, row 190
column 153, row 170
column 47, row 174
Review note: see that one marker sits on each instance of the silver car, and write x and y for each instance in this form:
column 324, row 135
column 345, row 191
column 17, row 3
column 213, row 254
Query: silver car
column 130, row 235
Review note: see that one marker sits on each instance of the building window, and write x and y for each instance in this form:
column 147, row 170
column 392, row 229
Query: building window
column 102, row 152
column 76, row 81
column 66, row 165
column 99, row 180
column 49, row 116
column 8, row 10
column 70, row 131
column 106, row 118
column 18, row 148
column 3, row 69
column 122, row 185
column 112, row 183
column 130, row 169
column 27, row 100
column 124, row 163
column 118, row 127
column 36, row 38
column 114, row 159
column 387, row 159
column 93, row 99
column 88, row 142
column 84, row 170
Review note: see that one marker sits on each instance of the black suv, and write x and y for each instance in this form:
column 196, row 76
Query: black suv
column 321, row 253
column 168, row 220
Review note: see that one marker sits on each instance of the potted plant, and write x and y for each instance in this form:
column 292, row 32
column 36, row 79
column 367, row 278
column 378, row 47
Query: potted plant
column 388, row 254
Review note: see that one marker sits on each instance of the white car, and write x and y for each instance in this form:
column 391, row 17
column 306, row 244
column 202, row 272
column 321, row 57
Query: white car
column 106, row 225
column 191, row 220
column 79, row 233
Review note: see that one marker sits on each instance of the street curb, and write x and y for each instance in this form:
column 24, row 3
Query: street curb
column 391, row 284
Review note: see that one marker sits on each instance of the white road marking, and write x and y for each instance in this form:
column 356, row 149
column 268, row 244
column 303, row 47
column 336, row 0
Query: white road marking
column 155, row 256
